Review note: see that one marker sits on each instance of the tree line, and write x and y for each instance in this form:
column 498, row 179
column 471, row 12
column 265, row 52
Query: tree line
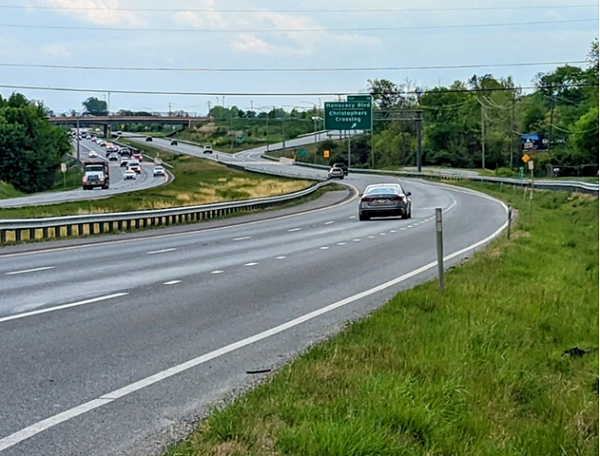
column 479, row 123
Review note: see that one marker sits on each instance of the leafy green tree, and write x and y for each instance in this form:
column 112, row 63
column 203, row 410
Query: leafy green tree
column 584, row 139
column 31, row 149
column 95, row 106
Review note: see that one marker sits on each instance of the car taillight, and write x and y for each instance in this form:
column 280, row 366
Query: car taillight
column 366, row 199
column 397, row 198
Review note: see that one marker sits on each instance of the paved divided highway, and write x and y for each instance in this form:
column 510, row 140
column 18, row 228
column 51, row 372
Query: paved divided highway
column 117, row 184
column 110, row 345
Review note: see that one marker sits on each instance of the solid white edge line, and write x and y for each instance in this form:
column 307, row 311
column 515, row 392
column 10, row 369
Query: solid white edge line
column 61, row 307
column 25, row 271
column 41, row 426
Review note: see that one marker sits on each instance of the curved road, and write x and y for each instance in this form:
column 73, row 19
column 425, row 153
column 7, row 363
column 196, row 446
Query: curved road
column 117, row 184
column 111, row 345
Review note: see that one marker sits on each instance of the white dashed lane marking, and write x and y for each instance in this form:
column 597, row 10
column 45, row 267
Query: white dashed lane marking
column 160, row 251
column 294, row 229
column 356, row 240
column 250, row 264
column 329, row 223
column 280, row 258
column 172, row 282
column 324, row 248
column 26, row 271
column 341, row 243
column 243, row 238
column 217, row 272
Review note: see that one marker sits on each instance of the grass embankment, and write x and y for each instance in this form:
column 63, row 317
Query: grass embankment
column 68, row 181
column 241, row 134
column 197, row 181
column 479, row 370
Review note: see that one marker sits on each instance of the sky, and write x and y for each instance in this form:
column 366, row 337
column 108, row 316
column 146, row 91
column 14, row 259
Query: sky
column 191, row 54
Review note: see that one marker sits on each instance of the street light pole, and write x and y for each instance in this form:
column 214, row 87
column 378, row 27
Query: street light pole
column 78, row 153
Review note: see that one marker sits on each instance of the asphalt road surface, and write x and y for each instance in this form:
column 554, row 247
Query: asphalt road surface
column 117, row 184
column 111, row 345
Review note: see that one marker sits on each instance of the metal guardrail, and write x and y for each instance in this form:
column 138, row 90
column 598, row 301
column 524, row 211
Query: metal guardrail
column 18, row 230
column 567, row 186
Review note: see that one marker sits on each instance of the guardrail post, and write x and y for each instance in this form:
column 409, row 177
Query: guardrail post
column 31, row 233
column 2, row 237
column 440, row 246
column 509, row 221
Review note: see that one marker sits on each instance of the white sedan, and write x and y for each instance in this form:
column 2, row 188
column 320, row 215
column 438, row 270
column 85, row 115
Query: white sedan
column 92, row 154
column 130, row 174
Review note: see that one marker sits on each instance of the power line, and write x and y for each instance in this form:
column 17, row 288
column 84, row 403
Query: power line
column 341, row 10
column 281, row 70
column 307, row 30
column 263, row 94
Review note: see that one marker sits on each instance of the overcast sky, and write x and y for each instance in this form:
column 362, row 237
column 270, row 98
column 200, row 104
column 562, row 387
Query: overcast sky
column 369, row 39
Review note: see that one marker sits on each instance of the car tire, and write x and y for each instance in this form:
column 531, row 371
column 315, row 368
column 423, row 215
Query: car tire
column 363, row 217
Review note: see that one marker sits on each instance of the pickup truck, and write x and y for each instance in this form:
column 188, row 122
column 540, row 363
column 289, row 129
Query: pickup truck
column 95, row 175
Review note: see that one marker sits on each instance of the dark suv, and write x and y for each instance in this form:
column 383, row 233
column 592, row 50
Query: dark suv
column 341, row 165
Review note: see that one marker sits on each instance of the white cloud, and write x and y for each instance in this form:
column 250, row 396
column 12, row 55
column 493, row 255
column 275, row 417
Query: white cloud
column 553, row 14
column 248, row 43
column 56, row 50
column 296, row 40
column 100, row 12
column 188, row 18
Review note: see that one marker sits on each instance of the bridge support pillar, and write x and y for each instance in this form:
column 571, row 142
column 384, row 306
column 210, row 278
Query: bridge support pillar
column 106, row 131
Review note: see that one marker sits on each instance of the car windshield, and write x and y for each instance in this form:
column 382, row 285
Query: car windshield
column 94, row 169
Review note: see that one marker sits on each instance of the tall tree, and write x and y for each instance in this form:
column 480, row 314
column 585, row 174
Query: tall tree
column 31, row 149
column 95, row 106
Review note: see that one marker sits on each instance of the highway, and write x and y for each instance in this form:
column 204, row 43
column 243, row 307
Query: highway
column 112, row 346
column 117, row 184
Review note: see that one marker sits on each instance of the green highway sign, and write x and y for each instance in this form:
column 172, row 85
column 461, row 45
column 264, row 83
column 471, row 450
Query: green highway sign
column 301, row 152
column 358, row 98
column 354, row 114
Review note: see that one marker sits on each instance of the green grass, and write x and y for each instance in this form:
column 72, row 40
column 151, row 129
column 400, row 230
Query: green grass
column 8, row 191
column 68, row 181
column 479, row 370
column 197, row 181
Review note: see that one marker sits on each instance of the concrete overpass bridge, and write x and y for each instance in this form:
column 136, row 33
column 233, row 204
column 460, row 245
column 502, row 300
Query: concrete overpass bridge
column 117, row 121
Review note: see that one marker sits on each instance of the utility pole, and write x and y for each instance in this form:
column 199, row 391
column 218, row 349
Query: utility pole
column 512, row 129
column 208, row 103
column 78, row 153
column 349, row 149
column 169, row 109
column 551, row 122
column 419, row 127
column 267, row 131
column 482, row 138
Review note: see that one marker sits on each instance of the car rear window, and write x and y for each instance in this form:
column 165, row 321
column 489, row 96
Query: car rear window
column 388, row 190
